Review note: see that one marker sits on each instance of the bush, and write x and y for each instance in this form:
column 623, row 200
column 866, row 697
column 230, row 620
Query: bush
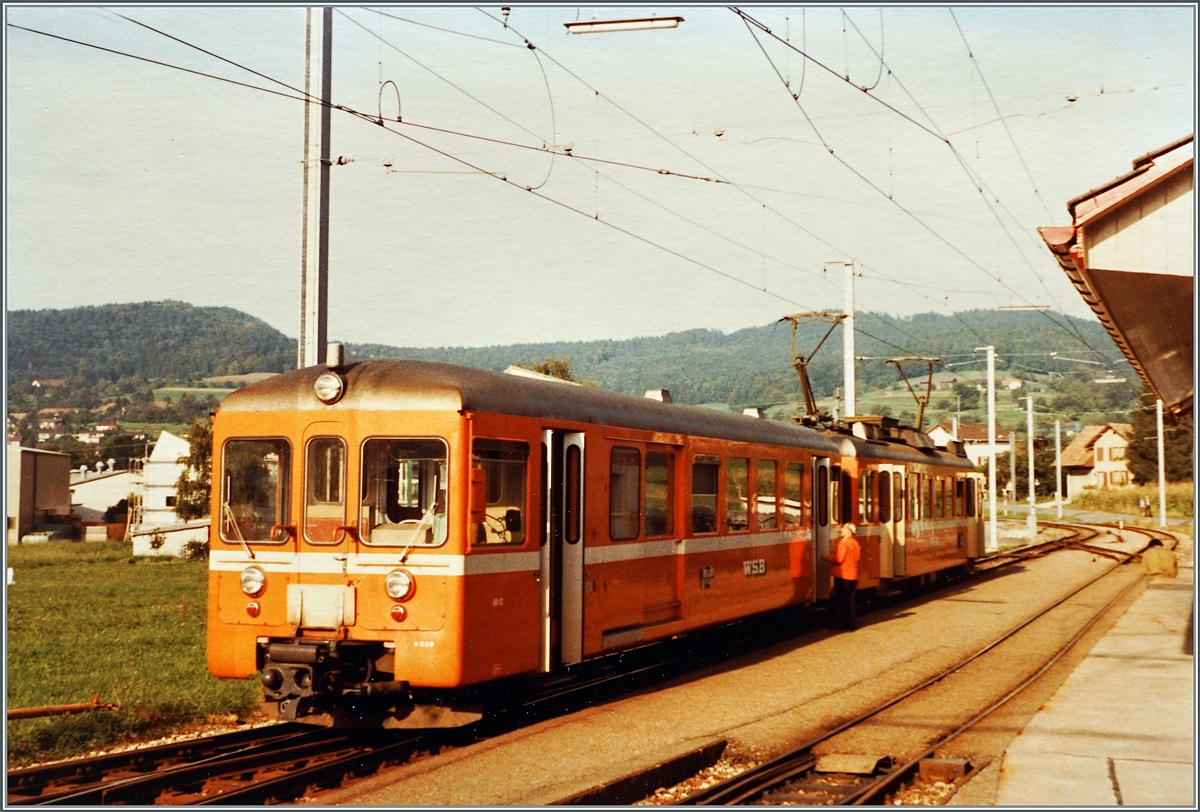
column 1180, row 500
column 195, row 550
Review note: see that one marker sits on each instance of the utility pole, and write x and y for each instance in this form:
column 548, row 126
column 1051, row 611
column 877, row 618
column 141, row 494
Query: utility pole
column 848, row 340
column 1162, row 471
column 993, row 542
column 1058, row 466
column 1012, row 465
column 1031, row 521
column 314, row 245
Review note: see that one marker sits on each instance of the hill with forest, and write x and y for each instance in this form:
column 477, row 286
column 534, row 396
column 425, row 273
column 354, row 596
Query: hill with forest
column 168, row 340
column 753, row 366
column 175, row 341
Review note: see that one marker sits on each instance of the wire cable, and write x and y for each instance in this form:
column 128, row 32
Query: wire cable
column 749, row 21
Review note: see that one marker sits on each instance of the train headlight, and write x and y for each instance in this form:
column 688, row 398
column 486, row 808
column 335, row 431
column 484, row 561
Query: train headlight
column 253, row 581
column 328, row 387
column 399, row 585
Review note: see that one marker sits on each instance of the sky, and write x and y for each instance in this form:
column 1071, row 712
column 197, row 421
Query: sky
column 598, row 186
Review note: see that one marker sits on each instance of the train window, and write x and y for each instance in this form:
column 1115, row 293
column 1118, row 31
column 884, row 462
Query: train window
column 737, row 495
column 255, row 489
column 325, row 502
column 823, row 497
column 971, row 497
column 927, row 483
column 404, row 492
column 504, row 464
column 765, row 502
column 866, row 496
column 885, row 498
column 939, row 497
column 625, row 498
column 960, row 485
column 914, row 497
column 898, row 494
column 835, row 481
column 793, row 496
column 574, row 518
column 704, row 494
column 847, row 506
column 660, row 513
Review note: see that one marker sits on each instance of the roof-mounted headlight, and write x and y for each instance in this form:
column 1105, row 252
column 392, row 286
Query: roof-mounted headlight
column 329, row 387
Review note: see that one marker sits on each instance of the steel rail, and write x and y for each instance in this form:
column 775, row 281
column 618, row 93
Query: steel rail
column 752, row 783
column 876, row 792
column 41, row 783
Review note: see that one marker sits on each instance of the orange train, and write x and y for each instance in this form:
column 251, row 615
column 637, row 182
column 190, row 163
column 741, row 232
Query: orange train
column 391, row 539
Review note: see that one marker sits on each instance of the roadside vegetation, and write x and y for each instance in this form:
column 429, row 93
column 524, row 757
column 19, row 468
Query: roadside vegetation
column 1180, row 500
column 87, row 619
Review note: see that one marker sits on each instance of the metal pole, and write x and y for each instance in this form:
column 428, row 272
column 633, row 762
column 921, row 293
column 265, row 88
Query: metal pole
column 1162, row 471
column 314, row 246
column 848, row 342
column 1012, row 465
column 1058, row 466
column 993, row 543
column 1031, row 521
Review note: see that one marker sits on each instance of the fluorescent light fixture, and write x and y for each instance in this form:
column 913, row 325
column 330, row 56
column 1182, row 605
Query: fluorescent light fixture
column 634, row 24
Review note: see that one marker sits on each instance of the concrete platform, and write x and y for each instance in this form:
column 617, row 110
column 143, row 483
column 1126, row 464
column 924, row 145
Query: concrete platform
column 1120, row 730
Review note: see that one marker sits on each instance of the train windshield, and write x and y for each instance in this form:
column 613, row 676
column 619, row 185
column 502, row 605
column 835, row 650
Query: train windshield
column 255, row 485
column 404, row 492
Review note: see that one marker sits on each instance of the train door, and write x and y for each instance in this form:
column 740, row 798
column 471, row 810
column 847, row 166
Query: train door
column 561, row 554
column 822, row 503
column 320, row 599
column 891, row 521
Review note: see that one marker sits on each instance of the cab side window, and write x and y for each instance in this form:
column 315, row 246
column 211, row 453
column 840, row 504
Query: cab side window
column 504, row 464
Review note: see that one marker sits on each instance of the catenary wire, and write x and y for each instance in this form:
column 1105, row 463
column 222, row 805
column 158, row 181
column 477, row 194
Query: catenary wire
column 749, row 20
column 366, row 117
column 979, row 183
column 685, row 152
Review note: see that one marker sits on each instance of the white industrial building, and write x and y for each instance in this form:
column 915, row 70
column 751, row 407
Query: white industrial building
column 153, row 516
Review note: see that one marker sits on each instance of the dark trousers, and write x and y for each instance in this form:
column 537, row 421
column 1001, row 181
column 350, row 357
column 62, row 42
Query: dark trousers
column 844, row 615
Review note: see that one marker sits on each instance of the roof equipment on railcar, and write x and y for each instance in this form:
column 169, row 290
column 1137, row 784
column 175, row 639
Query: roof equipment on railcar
column 922, row 402
column 812, row 415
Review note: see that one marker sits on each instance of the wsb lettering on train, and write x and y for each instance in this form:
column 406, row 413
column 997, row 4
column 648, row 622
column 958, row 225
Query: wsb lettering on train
column 755, row 567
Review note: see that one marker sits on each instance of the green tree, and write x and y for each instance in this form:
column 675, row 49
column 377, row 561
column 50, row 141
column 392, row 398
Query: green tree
column 194, row 486
column 1143, row 446
column 1043, row 468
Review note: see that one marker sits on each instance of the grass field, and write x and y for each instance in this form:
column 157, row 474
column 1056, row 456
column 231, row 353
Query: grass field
column 87, row 619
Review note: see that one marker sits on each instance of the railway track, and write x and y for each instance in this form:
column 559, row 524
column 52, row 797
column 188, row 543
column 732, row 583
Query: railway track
column 281, row 763
column 801, row 777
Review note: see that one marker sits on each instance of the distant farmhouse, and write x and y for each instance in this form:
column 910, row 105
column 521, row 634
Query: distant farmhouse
column 974, row 437
column 1096, row 458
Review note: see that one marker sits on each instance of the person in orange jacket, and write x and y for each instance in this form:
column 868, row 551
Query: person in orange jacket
column 845, row 578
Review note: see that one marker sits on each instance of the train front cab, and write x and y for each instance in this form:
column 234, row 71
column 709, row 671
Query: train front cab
column 337, row 566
